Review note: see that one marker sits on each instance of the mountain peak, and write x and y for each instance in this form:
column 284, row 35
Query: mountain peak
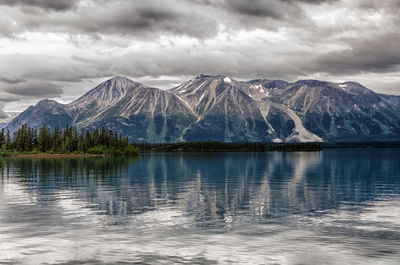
column 311, row 82
column 109, row 92
column 48, row 103
column 200, row 76
column 203, row 76
column 118, row 81
column 221, row 78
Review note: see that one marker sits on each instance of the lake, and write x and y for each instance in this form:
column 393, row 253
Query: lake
column 330, row 207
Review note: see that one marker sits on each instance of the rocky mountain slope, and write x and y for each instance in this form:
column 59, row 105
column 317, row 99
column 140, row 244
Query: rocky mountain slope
column 340, row 111
column 224, row 112
column 223, row 109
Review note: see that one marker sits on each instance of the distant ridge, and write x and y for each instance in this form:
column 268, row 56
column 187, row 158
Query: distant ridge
column 222, row 109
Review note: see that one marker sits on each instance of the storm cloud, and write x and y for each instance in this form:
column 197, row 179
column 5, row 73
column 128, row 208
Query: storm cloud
column 54, row 48
column 57, row 5
column 35, row 89
column 378, row 54
column 152, row 18
column 11, row 80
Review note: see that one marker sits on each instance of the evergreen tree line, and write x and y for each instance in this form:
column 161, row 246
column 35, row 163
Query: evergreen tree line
column 68, row 140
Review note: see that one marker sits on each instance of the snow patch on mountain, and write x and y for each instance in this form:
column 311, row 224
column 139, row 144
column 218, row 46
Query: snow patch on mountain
column 227, row 80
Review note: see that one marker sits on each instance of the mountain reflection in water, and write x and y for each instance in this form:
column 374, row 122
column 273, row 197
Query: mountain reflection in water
column 331, row 207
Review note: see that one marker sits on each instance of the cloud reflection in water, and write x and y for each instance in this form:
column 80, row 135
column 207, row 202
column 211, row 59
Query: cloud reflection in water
column 275, row 208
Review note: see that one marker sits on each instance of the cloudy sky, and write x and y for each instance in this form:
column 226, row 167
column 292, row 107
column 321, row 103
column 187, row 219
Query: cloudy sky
column 61, row 48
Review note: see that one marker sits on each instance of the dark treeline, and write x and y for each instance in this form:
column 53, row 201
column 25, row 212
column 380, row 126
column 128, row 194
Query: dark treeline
column 362, row 145
column 68, row 140
column 211, row 146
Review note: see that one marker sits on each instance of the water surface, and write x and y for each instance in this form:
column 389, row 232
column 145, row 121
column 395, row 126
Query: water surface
column 330, row 207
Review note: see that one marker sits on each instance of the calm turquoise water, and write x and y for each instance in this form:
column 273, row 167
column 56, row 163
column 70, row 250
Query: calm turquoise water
column 331, row 207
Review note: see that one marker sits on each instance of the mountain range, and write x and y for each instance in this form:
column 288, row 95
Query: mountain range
column 223, row 109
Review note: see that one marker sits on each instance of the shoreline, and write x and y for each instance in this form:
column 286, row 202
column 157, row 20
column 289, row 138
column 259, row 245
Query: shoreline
column 57, row 155
column 209, row 147
column 171, row 151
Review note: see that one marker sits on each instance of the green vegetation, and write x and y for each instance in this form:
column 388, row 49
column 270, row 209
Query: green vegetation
column 211, row 146
column 102, row 142
column 68, row 141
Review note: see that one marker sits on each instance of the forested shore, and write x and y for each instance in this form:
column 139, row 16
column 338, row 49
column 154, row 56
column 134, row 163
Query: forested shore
column 72, row 142
column 65, row 141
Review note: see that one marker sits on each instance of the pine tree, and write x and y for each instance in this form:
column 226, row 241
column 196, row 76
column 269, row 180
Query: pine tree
column 45, row 140
column 57, row 140
column 2, row 137
column 8, row 140
column 88, row 139
column 96, row 137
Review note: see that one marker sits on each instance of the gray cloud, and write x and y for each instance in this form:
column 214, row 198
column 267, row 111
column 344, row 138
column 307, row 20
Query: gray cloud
column 314, row 2
column 152, row 18
column 258, row 8
column 57, row 5
column 288, row 10
column 145, row 19
column 35, row 89
column 245, row 60
column 275, row 9
column 11, row 80
column 388, row 5
column 41, row 67
column 175, row 39
column 378, row 54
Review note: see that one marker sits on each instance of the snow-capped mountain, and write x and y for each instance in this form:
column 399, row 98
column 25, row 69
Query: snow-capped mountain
column 223, row 109
column 341, row 111
column 136, row 110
